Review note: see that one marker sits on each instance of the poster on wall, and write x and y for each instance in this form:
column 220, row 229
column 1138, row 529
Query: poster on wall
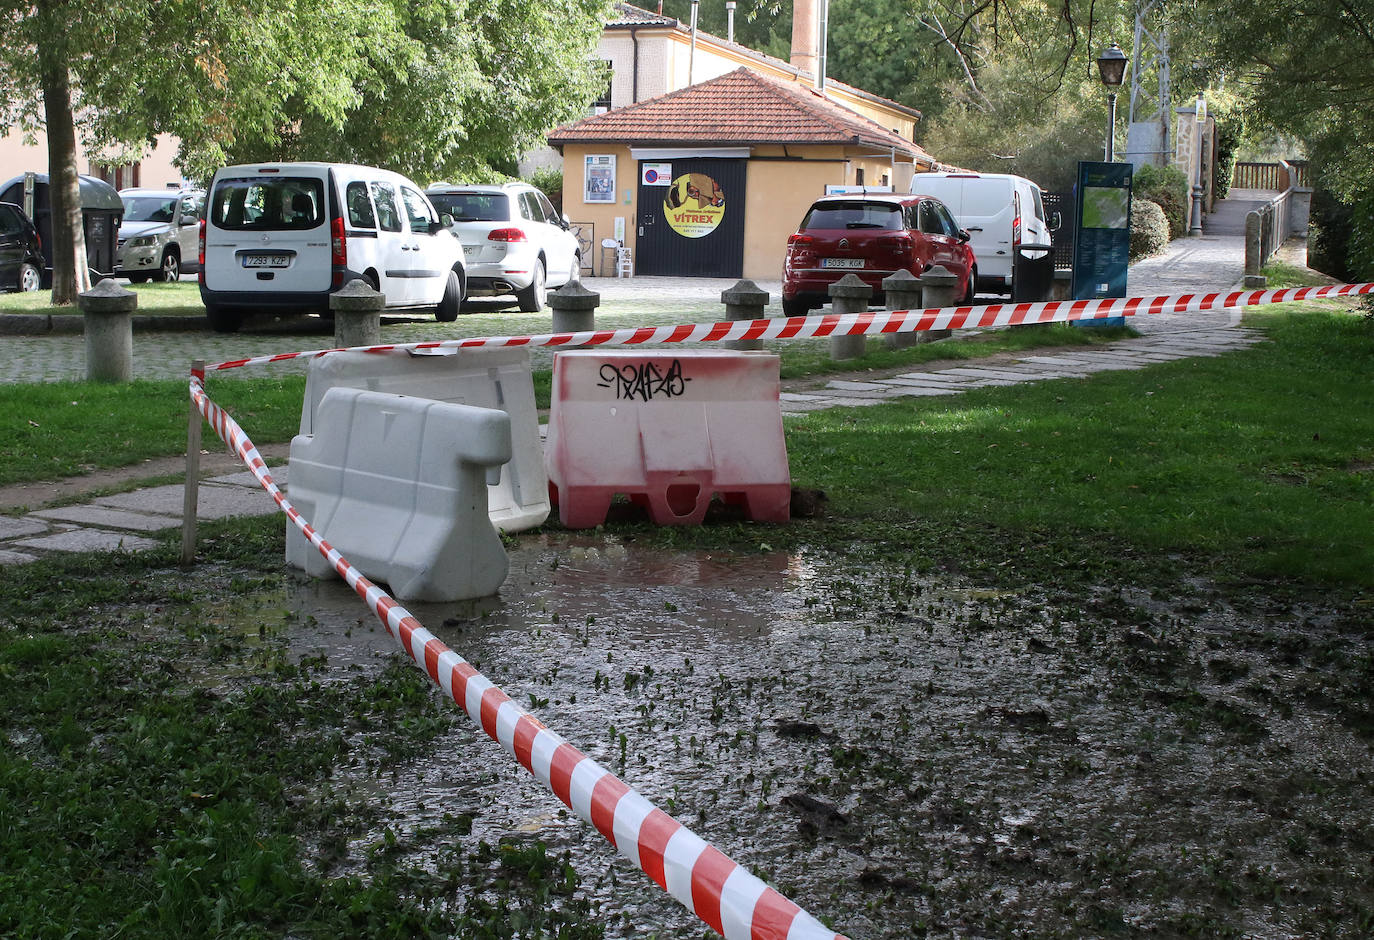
column 694, row 205
column 598, row 180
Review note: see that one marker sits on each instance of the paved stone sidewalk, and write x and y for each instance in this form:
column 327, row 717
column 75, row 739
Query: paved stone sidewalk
column 125, row 522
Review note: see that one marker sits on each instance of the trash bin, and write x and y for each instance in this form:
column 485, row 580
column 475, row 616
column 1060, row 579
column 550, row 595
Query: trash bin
column 101, row 212
column 1032, row 275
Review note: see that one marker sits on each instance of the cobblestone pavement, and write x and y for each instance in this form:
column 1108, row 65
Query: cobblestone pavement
column 1209, row 263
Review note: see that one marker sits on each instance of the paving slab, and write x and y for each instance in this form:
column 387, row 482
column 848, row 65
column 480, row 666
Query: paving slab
column 246, row 478
column 855, row 386
column 94, row 515
column 213, row 502
column 88, row 540
column 978, row 372
column 14, row 528
column 911, row 388
column 8, row 557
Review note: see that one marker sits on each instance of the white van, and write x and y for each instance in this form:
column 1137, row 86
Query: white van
column 1010, row 233
column 287, row 235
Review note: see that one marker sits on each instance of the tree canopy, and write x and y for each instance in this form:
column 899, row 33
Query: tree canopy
column 429, row 88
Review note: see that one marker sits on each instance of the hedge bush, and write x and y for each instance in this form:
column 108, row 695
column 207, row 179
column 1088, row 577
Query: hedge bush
column 1167, row 187
column 1149, row 228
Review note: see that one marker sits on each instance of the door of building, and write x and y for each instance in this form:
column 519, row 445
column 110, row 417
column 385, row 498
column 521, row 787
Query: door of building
column 691, row 217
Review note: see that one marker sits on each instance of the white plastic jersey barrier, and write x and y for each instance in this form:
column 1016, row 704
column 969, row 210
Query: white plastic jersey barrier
column 486, row 378
column 399, row 485
column 669, row 428
column 719, row 891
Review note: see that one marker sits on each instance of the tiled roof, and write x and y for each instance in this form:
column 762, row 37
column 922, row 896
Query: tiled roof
column 626, row 15
column 739, row 108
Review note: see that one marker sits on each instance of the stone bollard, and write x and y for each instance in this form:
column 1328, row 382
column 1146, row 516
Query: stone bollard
column 1254, row 280
column 849, row 295
column 939, row 288
column 357, row 312
column 902, row 291
column 108, row 311
column 574, row 308
column 744, row 301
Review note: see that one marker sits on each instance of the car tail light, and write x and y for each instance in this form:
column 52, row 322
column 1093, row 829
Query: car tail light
column 506, row 235
column 801, row 249
column 1016, row 220
column 338, row 243
column 200, row 252
column 898, row 244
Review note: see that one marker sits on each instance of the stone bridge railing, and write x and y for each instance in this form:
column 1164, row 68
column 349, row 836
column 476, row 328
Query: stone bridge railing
column 1269, row 226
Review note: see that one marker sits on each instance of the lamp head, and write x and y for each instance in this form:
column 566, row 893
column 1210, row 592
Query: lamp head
column 1111, row 65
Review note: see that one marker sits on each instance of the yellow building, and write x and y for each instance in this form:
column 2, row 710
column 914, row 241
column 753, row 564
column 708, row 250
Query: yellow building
column 710, row 180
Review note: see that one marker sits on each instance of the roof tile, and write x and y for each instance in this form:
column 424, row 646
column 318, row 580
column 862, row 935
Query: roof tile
column 741, row 107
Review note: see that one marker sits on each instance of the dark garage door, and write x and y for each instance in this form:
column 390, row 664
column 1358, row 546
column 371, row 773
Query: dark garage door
column 691, row 218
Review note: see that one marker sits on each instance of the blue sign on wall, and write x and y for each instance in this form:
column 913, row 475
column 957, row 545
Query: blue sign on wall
column 1102, row 242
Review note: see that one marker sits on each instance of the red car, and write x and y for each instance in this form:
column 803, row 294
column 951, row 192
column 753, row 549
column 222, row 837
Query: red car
column 872, row 235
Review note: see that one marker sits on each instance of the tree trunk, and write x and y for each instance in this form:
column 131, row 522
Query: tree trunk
column 71, row 275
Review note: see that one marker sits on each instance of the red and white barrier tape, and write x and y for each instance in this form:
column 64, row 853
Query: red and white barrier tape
column 868, row 323
column 719, row 891
column 716, row 889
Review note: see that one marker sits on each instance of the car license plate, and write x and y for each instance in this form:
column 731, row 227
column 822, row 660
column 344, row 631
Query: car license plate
column 266, row 261
column 470, row 250
column 842, row 262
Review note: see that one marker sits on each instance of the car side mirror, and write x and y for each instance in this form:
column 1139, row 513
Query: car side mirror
column 964, row 236
column 1056, row 221
column 444, row 222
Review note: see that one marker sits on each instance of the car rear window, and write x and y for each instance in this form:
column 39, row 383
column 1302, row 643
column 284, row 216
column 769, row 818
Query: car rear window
column 473, row 207
column 855, row 214
column 267, row 203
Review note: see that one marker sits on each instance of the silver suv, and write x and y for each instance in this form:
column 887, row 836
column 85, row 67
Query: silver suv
column 158, row 237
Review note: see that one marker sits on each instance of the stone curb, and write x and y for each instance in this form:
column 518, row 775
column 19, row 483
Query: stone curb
column 42, row 324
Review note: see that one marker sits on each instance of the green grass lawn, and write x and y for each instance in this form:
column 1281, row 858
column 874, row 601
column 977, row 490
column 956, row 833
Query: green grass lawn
column 1264, row 457
column 156, row 299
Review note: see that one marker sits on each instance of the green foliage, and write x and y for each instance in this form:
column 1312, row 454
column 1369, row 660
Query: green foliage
column 1167, row 187
column 433, row 89
column 1149, row 228
column 549, row 181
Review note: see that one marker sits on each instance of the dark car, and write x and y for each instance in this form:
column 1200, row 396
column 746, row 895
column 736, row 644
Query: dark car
column 21, row 254
column 872, row 235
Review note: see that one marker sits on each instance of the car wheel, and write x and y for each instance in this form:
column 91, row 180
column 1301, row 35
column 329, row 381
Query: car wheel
column 30, row 278
column 532, row 298
column 452, row 302
column 138, row 278
column 170, row 272
column 972, row 279
column 795, row 307
column 223, row 319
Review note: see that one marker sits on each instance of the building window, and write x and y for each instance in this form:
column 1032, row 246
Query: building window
column 859, row 176
column 120, row 177
column 603, row 104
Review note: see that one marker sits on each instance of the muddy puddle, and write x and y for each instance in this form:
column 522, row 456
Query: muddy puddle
column 904, row 754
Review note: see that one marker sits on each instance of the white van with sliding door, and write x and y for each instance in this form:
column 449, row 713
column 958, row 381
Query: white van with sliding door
column 284, row 236
column 1007, row 225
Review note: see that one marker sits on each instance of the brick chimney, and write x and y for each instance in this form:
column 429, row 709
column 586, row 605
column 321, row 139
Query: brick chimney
column 804, row 41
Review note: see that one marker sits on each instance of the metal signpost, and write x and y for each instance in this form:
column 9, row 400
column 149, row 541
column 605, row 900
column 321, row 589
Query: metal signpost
column 1102, row 242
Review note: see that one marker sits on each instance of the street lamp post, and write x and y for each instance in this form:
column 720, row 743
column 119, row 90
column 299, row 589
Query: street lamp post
column 1198, row 189
column 1111, row 65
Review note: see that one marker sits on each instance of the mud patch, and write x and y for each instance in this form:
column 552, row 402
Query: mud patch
column 903, row 754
